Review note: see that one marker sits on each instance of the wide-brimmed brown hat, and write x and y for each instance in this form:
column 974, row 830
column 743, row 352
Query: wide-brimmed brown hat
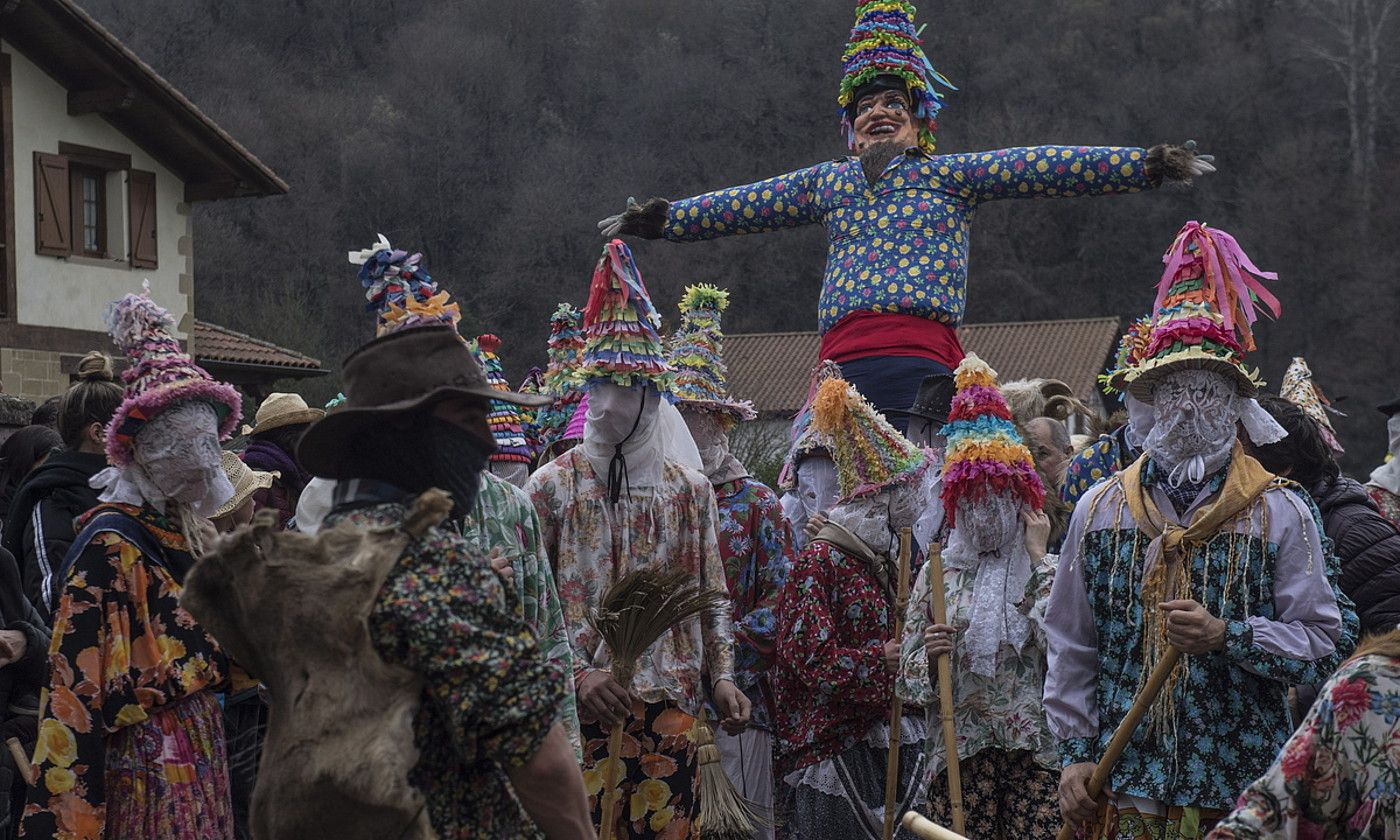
column 280, row 410
column 390, row 376
column 245, row 480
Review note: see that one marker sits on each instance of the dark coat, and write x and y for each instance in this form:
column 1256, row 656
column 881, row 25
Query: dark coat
column 1368, row 546
column 39, row 529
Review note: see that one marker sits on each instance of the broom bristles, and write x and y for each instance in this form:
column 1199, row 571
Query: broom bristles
column 640, row 607
column 724, row 814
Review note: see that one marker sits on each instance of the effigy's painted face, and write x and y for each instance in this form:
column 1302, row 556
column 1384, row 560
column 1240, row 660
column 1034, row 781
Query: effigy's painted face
column 885, row 117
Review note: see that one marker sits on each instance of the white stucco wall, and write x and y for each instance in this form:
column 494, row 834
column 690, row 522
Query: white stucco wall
column 74, row 293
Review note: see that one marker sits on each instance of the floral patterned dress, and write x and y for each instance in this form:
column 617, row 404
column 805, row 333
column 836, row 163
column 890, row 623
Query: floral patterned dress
column 131, row 742
column 755, row 544
column 1339, row 775
column 1388, row 502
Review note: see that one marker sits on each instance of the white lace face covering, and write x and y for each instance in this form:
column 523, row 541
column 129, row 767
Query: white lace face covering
column 1141, row 418
column 1387, row 475
column 176, row 459
column 1195, row 412
column 816, row 483
column 712, row 441
column 878, row 517
column 991, row 524
column 989, row 537
column 512, row 471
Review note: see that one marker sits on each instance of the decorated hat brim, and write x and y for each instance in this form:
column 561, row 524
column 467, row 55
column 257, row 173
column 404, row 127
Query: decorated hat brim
column 908, row 475
column 1149, row 372
column 139, row 409
column 738, row 409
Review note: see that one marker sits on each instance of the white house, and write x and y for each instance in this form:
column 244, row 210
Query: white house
column 102, row 159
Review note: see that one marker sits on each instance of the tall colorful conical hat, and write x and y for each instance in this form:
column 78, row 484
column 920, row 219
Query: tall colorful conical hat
column 533, row 384
column 1130, row 351
column 884, row 42
column 1300, row 389
column 1207, row 302
column 561, row 377
column 697, row 355
column 870, row 454
column 621, row 344
column 399, row 291
column 803, row 437
column 160, row 375
column 507, row 426
column 985, row 453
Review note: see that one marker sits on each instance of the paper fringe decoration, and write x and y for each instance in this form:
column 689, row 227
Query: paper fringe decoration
column 985, row 453
column 1131, row 348
column 161, row 374
column 697, row 355
column 884, row 42
column 870, row 454
column 621, row 344
column 1300, row 389
column 533, row 383
column 507, row 426
column 562, row 381
column 803, row 437
column 400, row 292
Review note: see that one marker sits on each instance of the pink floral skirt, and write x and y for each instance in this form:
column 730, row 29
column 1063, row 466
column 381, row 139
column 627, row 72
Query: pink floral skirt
column 167, row 777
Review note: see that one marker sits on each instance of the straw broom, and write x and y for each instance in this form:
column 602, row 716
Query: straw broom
column 1104, row 769
column 945, row 693
column 724, row 814
column 901, row 603
column 636, row 611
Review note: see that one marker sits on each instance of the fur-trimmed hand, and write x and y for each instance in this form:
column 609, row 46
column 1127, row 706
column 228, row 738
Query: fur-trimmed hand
column 645, row 220
column 1177, row 164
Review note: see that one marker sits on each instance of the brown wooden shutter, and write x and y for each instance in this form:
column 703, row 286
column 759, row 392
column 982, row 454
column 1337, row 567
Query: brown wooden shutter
column 141, row 210
column 53, row 226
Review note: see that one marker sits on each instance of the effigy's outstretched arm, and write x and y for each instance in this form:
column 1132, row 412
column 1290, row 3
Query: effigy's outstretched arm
column 1070, row 171
column 782, row 202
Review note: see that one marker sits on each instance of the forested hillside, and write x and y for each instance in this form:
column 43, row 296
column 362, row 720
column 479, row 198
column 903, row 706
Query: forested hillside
column 492, row 134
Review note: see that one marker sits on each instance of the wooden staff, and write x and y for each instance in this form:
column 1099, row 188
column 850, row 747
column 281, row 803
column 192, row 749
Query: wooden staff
column 926, row 828
column 945, row 693
column 901, row 603
column 1104, row 769
column 26, row 770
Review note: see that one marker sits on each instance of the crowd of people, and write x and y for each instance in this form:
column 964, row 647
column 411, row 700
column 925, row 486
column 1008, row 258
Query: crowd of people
column 443, row 607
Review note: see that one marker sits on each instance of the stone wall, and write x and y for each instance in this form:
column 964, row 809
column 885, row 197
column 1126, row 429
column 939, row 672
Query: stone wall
column 32, row 374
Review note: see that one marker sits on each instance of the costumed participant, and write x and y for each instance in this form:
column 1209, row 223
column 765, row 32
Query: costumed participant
column 1366, row 544
column 755, row 542
column 40, row 528
column 807, row 479
column 618, row 502
column 1122, row 446
column 1384, row 483
column 1300, row 389
column 131, row 737
column 272, row 446
column 1196, row 547
column 561, row 382
column 500, row 525
column 493, row 758
column 996, row 573
column 897, row 215
column 837, row 658
column 533, row 384
column 512, row 458
column 1337, row 775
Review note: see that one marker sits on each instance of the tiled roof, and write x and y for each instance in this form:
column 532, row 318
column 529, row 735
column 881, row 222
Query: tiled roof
column 772, row 369
column 214, row 343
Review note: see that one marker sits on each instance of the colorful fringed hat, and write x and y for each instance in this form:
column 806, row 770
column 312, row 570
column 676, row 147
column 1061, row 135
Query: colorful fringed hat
column 1300, row 389
column 697, row 355
column 399, row 291
column 161, row 374
column 985, row 453
column 1207, row 302
column 621, row 344
column 532, row 384
column 884, row 42
column 1130, row 351
column 870, row 454
column 561, row 376
column 507, row 426
column 803, row 437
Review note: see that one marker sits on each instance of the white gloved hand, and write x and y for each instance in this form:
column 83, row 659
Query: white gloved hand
column 1200, row 164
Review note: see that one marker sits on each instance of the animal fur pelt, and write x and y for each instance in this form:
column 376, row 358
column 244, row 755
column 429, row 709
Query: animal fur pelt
column 1030, row 398
column 293, row 610
column 647, row 220
column 1169, row 164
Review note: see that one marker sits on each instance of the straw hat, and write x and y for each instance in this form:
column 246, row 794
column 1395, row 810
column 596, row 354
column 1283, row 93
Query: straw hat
column 246, row 481
column 280, row 410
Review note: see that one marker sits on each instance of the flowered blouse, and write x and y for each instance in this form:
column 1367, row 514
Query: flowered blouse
column 830, row 678
column 755, row 544
column 122, row 648
column 1339, row 775
column 1388, row 502
column 1003, row 712
column 901, row 245
column 489, row 696
column 593, row 544
column 503, row 524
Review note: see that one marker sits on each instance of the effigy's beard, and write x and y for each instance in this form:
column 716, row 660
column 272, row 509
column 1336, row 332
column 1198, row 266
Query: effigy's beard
column 877, row 156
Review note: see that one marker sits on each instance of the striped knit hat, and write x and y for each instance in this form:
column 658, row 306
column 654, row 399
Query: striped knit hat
column 697, row 355
column 621, row 344
column 884, row 42
column 507, row 426
column 870, row 454
column 985, row 452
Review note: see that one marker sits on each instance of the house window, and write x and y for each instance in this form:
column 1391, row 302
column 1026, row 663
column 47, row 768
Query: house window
column 89, row 187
